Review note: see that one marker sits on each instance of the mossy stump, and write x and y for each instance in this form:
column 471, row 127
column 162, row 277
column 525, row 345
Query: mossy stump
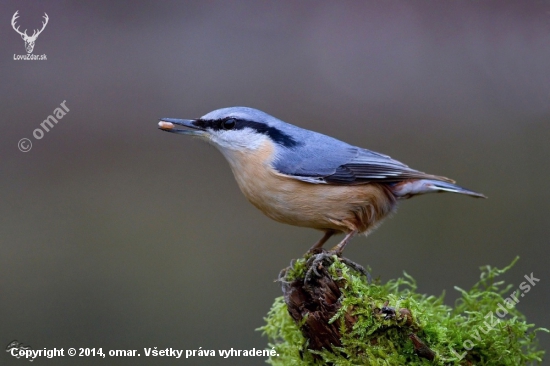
column 313, row 305
column 337, row 317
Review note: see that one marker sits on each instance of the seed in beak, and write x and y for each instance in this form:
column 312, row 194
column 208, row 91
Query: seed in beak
column 166, row 125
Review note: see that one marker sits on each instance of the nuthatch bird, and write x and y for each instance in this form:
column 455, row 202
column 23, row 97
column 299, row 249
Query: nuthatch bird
column 304, row 178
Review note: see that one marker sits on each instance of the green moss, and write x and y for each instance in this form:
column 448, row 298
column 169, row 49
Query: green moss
column 482, row 329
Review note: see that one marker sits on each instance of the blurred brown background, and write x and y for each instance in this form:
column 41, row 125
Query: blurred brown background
column 120, row 236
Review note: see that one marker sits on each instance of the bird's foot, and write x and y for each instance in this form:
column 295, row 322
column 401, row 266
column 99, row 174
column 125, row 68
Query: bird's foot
column 282, row 275
column 320, row 259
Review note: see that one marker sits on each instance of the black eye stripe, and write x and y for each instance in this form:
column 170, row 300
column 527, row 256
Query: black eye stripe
column 274, row 133
column 213, row 124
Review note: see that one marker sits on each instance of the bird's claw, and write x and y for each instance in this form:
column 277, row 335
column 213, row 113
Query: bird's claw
column 322, row 258
column 282, row 274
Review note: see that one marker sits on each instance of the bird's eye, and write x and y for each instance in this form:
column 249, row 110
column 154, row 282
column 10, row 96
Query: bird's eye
column 229, row 124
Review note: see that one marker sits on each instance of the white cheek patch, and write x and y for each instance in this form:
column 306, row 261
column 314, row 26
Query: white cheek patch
column 241, row 140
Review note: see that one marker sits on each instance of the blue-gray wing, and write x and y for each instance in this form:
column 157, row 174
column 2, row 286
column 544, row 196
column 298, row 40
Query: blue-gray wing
column 323, row 159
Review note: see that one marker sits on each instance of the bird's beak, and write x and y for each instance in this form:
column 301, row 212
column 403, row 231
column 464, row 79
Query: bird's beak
column 167, row 124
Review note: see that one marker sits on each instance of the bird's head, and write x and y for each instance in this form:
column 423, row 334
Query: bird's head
column 236, row 128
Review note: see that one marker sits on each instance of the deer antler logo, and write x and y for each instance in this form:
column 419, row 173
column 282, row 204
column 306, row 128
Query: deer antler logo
column 29, row 40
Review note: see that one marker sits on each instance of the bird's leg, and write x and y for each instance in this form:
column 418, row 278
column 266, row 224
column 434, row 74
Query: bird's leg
column 339, row 248
column 312, row 251
column 328, row 234
column 317, row 260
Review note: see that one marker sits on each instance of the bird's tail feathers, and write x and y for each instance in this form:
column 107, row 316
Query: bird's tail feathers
column 413, row 187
